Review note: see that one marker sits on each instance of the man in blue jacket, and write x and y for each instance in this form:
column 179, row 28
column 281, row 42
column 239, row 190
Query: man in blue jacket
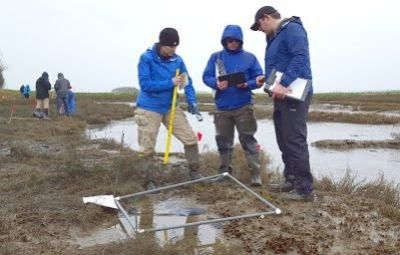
column 157, row 78
column 234, row 100
column 287, row 52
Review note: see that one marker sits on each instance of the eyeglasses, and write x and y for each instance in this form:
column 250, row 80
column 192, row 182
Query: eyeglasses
column 231, row 40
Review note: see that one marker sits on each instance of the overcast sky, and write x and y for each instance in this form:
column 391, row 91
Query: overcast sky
column 354, row 45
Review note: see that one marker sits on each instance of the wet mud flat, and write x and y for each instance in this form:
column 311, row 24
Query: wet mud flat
column 328, row 226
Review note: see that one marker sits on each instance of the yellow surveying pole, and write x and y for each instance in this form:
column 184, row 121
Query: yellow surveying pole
column 171, row 122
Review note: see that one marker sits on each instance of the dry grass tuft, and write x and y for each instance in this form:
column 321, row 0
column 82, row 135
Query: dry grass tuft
column 385, row 194
column 346, row 185
column 20, row 151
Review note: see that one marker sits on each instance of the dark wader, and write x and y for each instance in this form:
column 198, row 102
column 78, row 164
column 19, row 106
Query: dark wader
column 246, row 125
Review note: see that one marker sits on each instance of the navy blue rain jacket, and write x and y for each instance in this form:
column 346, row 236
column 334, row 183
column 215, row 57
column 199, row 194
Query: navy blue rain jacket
column 234, row 61
column 288, row 52
column 155, row 80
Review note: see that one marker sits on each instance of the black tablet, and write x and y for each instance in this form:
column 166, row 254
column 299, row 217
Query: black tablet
column 233, row 78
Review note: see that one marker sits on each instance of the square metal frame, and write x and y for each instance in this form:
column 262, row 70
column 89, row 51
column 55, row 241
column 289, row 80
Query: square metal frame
column 133, row 225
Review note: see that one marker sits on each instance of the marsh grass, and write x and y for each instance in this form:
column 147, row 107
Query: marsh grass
column 20, row 151
column 385, row 194
column 101, row 113
column 7, row 249
column 356, row 118
column 395, row 136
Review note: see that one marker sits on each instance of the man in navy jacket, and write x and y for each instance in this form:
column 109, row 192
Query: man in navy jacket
column 157, row 79
column 287, row 52
column 234, row 100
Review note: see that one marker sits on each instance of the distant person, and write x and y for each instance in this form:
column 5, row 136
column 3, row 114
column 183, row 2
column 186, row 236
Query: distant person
column 234, row 101
column 61, row 87
column 71, row 101
column 27, row 91
column 156, row 70
column 43, row 87
column 287, row 52
column 21, row 90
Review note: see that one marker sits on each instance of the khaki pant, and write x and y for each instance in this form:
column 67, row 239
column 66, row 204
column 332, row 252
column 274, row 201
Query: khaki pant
column 149, row 123
column 42, row 103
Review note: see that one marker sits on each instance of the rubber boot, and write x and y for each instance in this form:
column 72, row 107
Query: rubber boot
column 146, row 164
column 38, row 114
column 226, row 162
column 254, row 166
column 225, row 166
column 46, row 114
column 192, row 157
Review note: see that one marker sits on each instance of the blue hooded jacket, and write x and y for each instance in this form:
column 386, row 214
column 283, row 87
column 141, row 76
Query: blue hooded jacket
column 234, row 61
column 155, row 80
column 287, row 52
column 27, row 89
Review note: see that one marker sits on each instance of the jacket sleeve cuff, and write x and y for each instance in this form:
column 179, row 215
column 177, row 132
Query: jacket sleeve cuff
column 252, row 84
column 286, row 80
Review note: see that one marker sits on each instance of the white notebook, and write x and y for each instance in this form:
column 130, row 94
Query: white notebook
column 299, row 86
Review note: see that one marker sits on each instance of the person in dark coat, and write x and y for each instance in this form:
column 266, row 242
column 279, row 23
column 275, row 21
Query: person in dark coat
column 21, row 90
column 61, row 87
column 287, row 51
column 42, row 94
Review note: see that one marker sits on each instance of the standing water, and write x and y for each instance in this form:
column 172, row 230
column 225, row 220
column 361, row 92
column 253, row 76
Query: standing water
column 148, row 214
column 364, row 163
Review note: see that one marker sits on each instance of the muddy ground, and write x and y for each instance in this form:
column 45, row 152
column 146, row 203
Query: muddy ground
column 47, row 166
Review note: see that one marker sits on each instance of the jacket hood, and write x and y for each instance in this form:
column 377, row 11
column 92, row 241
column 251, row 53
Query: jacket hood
column 232, row 31
column 283, row 24
column 286, row 21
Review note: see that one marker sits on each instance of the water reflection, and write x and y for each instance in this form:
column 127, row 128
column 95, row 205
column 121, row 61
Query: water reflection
column 170, row 213
column 152, row 214
column 366, row 163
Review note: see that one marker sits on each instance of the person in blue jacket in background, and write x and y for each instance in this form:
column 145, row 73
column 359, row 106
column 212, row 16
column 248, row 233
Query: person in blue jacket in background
column 157, row 78
column 287, row 51
column 71, row 101
column 234, row 101
column 27, row 91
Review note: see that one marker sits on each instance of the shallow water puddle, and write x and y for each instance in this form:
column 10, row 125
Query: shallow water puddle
column 154, row 214
column 365, row 163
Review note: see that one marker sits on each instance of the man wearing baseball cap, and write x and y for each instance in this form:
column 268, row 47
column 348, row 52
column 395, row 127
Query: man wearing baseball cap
column 157, row 79
column 287, row 52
